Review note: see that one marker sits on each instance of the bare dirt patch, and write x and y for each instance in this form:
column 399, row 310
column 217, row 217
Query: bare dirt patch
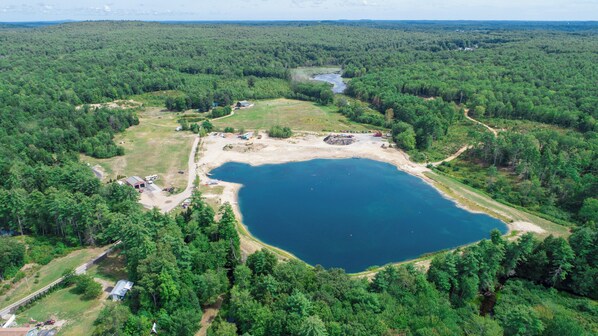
column 114, row 105
column 526, row 227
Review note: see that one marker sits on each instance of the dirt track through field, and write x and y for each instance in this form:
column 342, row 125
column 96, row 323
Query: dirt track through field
column 466, row 147
column 159, row 199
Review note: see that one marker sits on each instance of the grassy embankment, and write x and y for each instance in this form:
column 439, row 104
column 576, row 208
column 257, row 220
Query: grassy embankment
column 475, row 200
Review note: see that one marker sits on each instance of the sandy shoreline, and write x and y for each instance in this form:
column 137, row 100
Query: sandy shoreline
column 217, row 150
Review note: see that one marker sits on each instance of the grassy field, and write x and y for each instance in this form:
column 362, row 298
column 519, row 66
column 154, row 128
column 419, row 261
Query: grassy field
column 152, row 147
column 64, row 305
column 299, row 115
column 47, row 274
column 302, row 74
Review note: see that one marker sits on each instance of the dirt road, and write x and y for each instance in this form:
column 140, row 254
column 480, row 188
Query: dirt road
column 495, row 132
column 466, row 147
column 209, row 313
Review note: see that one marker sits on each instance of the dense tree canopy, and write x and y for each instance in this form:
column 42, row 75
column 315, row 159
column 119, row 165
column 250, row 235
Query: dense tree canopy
column 415, row 79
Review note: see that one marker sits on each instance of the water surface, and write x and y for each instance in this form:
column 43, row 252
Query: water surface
column 350, row 213
column 335, row 79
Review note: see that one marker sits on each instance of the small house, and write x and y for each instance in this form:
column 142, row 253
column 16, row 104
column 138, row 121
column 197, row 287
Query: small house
column 135, row 182
column 244, row 104
column 120, row 290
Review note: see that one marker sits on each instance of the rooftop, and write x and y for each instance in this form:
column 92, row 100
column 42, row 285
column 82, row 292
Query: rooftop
column 132, row 180
column 121, row 288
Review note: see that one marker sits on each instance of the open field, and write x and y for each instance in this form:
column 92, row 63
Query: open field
column 63, row 305
column 47, row 274
column 305, row 73
column 298, row 115
column 152, row 147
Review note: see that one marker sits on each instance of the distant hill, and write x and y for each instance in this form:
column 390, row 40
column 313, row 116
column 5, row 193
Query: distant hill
column 32, row 24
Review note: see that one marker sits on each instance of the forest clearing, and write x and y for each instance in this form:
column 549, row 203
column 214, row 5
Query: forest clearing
column 152, row 147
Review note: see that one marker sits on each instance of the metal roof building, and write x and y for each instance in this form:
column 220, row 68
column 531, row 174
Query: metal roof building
column 135, row 182
column 120, row 290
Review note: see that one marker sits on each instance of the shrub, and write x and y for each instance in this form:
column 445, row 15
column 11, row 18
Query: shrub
column 92, row 291
column 229, row 130
column 280, row 132
column 12, row 257
column 207, row 125
column 218, row 112
column 86, row 286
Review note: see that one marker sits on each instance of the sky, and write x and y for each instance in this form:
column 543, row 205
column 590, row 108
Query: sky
column 164, row 10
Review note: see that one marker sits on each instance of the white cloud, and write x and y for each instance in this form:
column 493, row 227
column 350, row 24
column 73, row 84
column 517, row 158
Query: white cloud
column 32, row 10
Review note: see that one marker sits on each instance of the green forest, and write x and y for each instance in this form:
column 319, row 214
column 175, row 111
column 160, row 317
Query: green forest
column 534, row 82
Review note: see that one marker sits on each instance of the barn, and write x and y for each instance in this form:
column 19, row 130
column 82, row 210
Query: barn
column 135, row 182
column 244, row 104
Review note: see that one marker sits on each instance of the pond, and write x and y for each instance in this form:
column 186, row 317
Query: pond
column 335, row 79
column 350, row 213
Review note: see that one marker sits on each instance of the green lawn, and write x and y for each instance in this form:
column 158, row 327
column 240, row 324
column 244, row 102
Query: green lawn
column 64, row 305
column 47, row 274
column 296, row 114
column 152, row 147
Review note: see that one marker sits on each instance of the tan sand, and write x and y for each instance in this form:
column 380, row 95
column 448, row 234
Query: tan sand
column 526, row 227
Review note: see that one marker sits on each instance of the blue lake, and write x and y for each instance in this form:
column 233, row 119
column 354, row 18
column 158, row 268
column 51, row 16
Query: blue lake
column 350, row 213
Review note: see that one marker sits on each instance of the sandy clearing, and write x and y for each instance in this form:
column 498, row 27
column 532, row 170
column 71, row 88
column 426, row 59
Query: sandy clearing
column 306, row 146
column 115, row 105
column 526, row 227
